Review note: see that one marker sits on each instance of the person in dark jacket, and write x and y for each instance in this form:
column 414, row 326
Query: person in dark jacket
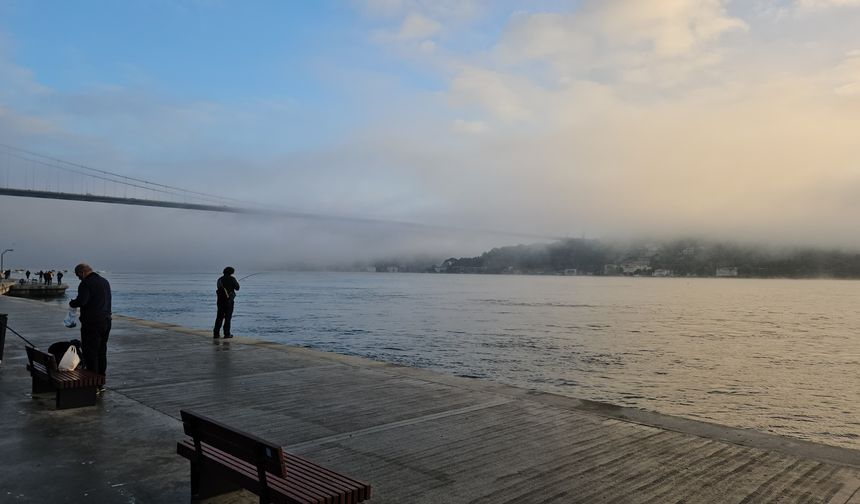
column 59, row 278
column 226, row 292
column 94, row 301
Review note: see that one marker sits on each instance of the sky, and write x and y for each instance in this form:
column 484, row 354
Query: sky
column 733, row 120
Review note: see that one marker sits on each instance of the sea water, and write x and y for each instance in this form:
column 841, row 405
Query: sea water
column 777, row 356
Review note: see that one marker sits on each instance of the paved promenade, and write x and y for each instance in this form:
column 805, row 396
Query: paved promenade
column 416, row 436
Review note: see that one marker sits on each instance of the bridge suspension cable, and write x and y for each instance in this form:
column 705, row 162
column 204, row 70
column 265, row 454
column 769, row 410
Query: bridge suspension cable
column 25, row 173
column 88, row 175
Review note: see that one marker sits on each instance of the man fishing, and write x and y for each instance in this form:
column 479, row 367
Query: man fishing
column 94, row 300
column 226, row 291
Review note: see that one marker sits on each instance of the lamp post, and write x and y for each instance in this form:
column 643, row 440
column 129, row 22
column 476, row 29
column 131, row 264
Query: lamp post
column 1, row 259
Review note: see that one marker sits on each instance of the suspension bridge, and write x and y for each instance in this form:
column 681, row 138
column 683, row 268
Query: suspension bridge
column 28, row 174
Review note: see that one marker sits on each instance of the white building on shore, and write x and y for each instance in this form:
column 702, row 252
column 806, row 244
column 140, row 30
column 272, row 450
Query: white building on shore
column 727, row 271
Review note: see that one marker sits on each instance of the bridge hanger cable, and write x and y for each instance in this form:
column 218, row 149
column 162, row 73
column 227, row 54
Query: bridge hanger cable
column 222, row 202
column 99, row 177
column 118, row 176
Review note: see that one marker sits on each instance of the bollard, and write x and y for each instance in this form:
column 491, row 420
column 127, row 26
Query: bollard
column 3, row 318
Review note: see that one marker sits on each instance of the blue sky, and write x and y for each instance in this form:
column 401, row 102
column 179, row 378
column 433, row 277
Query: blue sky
column 206, row 51
column 724, row 118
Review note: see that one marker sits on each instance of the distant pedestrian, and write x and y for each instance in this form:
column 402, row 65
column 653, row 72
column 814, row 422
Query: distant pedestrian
column 27, row 274
column 226, row 292
column 7, row 274
column 59, row 278
column 48, row 277
column 94, row 300
column 41, row 276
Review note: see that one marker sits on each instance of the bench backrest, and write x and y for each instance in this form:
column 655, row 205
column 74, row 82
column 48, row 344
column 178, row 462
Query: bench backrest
column 245, row 446
column 45, row 359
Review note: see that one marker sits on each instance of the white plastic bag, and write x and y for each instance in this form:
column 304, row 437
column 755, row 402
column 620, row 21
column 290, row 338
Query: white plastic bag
column 70, row 359
column 71, row 319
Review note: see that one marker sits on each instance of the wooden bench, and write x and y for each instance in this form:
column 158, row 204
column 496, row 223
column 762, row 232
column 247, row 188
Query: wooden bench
column 224, row 460
column 73, row 388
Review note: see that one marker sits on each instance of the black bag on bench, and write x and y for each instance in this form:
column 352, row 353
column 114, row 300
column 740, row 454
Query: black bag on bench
column 59, row 348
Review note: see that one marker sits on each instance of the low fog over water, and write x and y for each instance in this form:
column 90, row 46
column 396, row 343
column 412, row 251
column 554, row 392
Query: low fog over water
column 48, row 233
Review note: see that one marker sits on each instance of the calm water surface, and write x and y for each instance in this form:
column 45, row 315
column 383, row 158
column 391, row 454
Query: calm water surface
column 779, row 356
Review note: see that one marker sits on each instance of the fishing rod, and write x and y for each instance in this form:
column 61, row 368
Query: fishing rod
column 23, row 338
column 252, row 274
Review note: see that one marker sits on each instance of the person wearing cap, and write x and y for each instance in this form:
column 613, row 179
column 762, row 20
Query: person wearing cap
column 226, row 292
column 94, row 300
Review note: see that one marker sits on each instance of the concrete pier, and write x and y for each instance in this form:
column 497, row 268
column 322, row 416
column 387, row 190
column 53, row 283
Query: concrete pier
column 36, row 290
column 415, row 435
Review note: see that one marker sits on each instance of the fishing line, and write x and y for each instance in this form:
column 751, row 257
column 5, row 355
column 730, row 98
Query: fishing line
column 252, row 274
column 23, row 338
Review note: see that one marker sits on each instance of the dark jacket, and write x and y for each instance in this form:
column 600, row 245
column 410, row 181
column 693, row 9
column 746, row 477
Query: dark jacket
column 227, row 287
column 93, row 298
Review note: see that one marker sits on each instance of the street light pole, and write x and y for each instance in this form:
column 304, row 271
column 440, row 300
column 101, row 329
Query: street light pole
column 1, row 259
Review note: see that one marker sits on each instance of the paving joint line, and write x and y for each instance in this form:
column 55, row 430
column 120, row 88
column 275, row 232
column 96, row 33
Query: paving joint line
column 394, row 425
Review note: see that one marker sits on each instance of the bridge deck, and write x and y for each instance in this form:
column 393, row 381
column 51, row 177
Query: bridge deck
column 417, row 436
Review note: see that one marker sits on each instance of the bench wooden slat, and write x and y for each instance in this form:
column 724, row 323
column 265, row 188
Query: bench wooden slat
column 294, row 485
column 73, row 379
column 292, row 489
column 234, row 453
column 324, row 478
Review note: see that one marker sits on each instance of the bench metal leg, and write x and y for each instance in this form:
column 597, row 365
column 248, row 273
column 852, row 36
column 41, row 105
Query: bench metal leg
column 41, row 386
column 206, row 484
column 76, row 397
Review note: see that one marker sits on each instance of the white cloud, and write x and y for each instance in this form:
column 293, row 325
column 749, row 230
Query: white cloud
column 383, row 7
column 847, row 75
column 824, row 4
column 471, row 127
column 449, row 10
column 415, row 32
column 665, row 29
column 416, row 26
column 620, row 37
column 635, row 49
column 671, row 28
column 503, row 96
column 16, row 81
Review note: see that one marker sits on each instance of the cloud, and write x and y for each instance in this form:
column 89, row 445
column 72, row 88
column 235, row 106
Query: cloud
column 17, row 82
column 448, row 10
column 471, row 127
column 847, row 75
column 669, row 29
column 824, row 4
column 416, row 26
column 416, row 32
column 14, row 125
column 626, row 117
column 502, row 95
column 420, row 23
column 643, row 42
column 665, row 29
